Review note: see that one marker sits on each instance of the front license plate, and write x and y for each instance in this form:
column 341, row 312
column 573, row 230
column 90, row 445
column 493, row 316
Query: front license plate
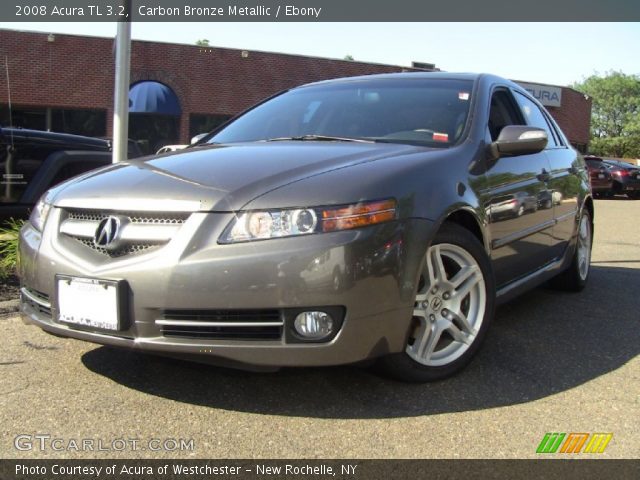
column 88, row 302
column 601, row 175
column 638, row 176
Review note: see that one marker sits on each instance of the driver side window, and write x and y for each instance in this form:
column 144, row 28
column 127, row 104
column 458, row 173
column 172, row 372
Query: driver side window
column 502, row 113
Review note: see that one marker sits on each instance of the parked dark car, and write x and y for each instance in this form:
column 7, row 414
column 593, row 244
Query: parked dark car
column 599, row 176
column 32, row 161
column 625, row 177
column 228, row 252
column 514, row 205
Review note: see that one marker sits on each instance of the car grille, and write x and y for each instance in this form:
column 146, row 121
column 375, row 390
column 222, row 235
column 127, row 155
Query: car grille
column 153, row 218
column 222, row 324
column 37, row 300
column 127, row 250
column 152, row 229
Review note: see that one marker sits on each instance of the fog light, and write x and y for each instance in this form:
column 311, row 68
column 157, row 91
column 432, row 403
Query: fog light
column 314, row 325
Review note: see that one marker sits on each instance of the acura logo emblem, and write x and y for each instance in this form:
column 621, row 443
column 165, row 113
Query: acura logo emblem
column 436, row 304
column 106, row 235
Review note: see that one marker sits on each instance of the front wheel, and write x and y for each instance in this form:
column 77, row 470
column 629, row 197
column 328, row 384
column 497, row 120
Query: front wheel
column 452, row 310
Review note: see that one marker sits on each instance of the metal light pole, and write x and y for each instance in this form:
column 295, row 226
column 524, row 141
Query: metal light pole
column 121, row 90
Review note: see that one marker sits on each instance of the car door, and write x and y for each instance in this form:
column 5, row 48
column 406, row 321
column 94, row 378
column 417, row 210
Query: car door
column 520, row 231
column 563, row 180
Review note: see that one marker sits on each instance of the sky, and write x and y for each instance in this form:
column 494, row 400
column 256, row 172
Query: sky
column 553, row 53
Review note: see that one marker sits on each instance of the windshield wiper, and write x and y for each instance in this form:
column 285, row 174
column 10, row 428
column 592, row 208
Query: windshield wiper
column 318, row 138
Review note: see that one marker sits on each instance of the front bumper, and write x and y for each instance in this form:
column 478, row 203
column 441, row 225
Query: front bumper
column 193, row 272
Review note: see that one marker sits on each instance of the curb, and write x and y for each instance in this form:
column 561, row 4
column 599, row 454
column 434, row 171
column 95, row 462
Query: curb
column 9, row 306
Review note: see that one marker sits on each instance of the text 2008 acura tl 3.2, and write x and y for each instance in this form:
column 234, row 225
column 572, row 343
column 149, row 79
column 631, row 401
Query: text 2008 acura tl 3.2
column 336, row 222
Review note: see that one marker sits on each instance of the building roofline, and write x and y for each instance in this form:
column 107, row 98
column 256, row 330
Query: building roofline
column 237, row 49
column 564, row 87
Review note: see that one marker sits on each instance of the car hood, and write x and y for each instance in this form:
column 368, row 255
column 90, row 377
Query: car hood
column 215, row 178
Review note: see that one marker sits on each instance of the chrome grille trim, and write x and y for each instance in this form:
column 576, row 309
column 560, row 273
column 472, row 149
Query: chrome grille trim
column 140, row 231
column 37, row 300
column 165, row 218
column 222, row 324
column 218, row 324
column 36, row 297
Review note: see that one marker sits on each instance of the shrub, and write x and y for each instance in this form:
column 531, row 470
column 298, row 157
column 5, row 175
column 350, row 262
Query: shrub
column 9, row 247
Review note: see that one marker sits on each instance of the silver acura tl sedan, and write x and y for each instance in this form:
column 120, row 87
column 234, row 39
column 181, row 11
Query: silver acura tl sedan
column 334, row 223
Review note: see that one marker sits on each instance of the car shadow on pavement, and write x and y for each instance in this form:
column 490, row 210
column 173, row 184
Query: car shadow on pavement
column 540, row 344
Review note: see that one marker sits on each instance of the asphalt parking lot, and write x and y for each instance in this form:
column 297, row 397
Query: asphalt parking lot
column 552, row 362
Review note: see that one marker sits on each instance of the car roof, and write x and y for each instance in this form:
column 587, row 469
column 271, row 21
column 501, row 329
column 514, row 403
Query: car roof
column 414, row 75
column 619, row 163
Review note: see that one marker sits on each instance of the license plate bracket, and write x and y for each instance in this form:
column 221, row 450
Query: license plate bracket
column 90, row 303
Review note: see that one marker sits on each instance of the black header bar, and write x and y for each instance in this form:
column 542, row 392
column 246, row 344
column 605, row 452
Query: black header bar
column 319, row 10
column 316, row 469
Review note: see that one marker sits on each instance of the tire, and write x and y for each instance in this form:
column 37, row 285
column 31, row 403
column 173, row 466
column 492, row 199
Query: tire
column 616, row 189
column 574, row 278
column 452, row 312
column 520, row 211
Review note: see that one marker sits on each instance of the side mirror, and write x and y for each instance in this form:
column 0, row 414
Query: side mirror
column 518, row 140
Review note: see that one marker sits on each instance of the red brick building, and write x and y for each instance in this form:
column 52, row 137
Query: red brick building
column 65, row 83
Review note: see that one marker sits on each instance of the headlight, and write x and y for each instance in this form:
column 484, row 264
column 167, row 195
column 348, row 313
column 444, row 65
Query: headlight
column 40, row 212
column 264, row 224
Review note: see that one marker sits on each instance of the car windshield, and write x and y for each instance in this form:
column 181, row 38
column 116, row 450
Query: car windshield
column 427, row 112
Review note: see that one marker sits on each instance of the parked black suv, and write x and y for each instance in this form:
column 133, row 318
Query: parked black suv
column 32, row 161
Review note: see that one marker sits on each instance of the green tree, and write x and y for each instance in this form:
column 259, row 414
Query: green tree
column 349, row 58
column 615, row 114
column 202, row 42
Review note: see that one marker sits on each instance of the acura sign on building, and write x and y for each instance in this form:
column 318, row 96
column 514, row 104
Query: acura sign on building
column 547, row 95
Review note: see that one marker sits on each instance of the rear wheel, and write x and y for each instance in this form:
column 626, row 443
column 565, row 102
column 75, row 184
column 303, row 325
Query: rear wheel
column 574, row 279
column 452, row 310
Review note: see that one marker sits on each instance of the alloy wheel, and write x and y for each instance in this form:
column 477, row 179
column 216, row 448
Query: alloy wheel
column 449, row 306
column 584, row 247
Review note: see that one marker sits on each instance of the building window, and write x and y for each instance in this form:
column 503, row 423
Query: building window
column 581, row 147
column 88, row 122
column 34, row 118
column 204, row 123
column 92, row 123
column 152, row 131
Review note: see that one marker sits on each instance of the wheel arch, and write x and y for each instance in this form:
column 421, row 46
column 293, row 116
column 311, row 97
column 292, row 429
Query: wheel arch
column 588, row 204
column 467, row 218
